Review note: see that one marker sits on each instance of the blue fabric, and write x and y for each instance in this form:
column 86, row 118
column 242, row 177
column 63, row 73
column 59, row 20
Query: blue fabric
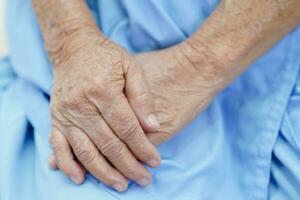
column 245, row 145
column 285, row 173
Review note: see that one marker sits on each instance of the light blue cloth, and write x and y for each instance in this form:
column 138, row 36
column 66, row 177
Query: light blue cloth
column 246, row 145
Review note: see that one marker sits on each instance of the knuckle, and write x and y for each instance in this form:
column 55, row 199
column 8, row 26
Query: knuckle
column 86, row 156
column 58, row 148
column 59, row 121
column 99, row 89
column 77, row 143
column 130, row 134
column 95, row 89
column 73, row 101
column 112, row 148
column 69, row 102
column 75, row 107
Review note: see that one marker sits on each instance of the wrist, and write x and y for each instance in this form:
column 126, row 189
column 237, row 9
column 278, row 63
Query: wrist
column 237, row 33
column 67, row 45
column 67, row 27
column 205, row 68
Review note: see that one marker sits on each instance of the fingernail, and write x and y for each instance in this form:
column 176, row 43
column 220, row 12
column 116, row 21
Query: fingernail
column 76, row 179
column 153, row 162
column 153, row 121
column 119, row 187
column 144, row 182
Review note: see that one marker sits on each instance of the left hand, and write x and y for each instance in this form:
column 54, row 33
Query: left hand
column 181, row 86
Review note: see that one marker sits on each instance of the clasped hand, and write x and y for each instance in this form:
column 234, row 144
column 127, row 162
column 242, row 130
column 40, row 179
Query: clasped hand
column 110, row 108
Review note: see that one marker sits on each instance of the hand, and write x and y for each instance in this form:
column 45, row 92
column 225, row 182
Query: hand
column 239, row 48
column 96, row 85
column 182, row 86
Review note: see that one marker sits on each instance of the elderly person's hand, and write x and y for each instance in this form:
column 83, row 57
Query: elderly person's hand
column 181, row 86
column 183, row 79
column 96, row 84
column 181, row 89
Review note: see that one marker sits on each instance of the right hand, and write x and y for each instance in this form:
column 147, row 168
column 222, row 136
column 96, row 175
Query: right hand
column 96, row 85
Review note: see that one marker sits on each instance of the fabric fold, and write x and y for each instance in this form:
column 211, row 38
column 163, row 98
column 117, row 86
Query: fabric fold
column 224, row 153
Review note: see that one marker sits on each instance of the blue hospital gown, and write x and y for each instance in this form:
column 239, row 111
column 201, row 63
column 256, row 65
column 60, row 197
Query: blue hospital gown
column 245, row 145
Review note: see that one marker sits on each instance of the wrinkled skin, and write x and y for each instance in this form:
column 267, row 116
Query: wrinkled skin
column 91, row 112
column 181, row 89
column 92, row 77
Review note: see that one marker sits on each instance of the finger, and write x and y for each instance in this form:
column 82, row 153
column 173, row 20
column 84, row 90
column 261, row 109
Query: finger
column 158, row 137
column 53, row 165
column 64, row 157
column 140, row 99
column 52, row 162
column 120, row 117
column 93, row 161
column 116, row 151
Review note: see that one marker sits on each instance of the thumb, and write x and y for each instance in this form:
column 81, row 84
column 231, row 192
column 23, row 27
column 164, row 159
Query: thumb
column 139, row 97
